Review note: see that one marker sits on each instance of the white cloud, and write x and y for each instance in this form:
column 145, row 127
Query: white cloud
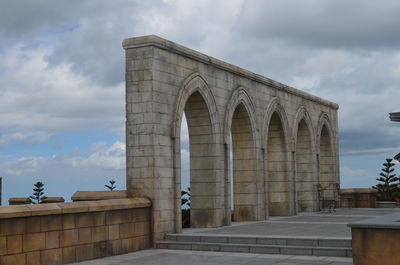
column 373, row 151
column 184, row 131
column 24, row 165
column 39, row 100
column 348, row 172
column 102, row 157
column 106, row 157
column 25, row 137
column 185, row 160
column 62, row 67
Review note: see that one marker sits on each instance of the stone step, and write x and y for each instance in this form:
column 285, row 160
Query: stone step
column 257, row 248
column 264, row 240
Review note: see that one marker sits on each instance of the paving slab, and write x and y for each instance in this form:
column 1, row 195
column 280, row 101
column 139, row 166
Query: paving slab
column 306, row 225
column 182, row 257
column 321, row 224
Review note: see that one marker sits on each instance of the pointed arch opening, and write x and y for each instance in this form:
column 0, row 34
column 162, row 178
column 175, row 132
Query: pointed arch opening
column 305, row 182
column 326, row 164
column 244, row 166
column 277, row 168
column 201, row 146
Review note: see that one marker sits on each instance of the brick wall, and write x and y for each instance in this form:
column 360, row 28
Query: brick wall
column 60, row 233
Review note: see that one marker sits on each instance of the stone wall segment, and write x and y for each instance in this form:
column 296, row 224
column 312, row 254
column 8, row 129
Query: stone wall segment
column 168, row 75
column 60, row 233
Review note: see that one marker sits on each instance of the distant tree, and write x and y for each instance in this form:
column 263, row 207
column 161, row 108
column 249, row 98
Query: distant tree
column 38, row 192
column 387, row 188
column 112, row 185
column 185, row 205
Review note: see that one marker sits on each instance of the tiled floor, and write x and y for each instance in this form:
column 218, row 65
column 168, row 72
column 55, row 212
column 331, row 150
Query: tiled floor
column 315, row 224
column 309, row 224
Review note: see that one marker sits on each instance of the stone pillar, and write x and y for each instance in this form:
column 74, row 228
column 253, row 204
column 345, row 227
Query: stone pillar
column 156, row 97
column 149, row 152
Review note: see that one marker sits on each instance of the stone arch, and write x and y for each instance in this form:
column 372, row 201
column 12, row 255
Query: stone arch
column 326, row 157
column 275, row 140
column 194, row 83
column 240, row 122
column 197, row 101
column 305, row 172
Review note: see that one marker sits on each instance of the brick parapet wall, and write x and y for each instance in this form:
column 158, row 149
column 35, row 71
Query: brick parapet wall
column 61, row 233
column 357, row 198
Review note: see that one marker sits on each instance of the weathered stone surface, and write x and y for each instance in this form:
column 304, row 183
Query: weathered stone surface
column 98, row 195
column 284, row 141
column 19, row 200
column 46, row 235
column 53, row 200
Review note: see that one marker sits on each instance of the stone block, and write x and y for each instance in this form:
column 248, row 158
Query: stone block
column 52, row 239
column 233, row 248
column 51, row 256
column 113, row 232
column 69, row 238
column 264, row 250
column 18, row 259
column 242, row 240
column 98, row 195
column 35, row 241
column 14, row 226
column 53, row 200
column 44, row 209
column 99, row 233
column 68, row 221
column 99, row 218
column 100, row 249
column 73, row 207
column 85, row 235
column 3, row 245
column 69, row 255
column 33, row 258
column 50, row 223
column 19, row 201
column 119, row 217
column 127, row 230
column 127, row 245
column 330, row 252
column 33, row 225
column 14, row 244
column 84, row 220
column 84, row 252
column 296, row 251
column 114, row 247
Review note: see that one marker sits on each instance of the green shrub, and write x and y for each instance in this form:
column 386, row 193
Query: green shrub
column 388, row 186
column 38, row 192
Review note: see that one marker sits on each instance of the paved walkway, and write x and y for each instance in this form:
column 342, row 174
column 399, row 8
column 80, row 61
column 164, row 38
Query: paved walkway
column 321, row 225
column 311, row 225
column 183, row 257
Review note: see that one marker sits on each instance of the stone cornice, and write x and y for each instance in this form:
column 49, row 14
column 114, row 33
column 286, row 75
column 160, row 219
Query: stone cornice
column 153, row 40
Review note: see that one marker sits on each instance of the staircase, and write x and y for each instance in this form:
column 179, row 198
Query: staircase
column 310, row 246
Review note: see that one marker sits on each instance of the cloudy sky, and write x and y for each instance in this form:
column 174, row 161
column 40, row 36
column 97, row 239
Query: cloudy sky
column 62, row 76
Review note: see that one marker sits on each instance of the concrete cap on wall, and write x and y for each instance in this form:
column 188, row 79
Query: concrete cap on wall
column 71, row 207
column 153, row 40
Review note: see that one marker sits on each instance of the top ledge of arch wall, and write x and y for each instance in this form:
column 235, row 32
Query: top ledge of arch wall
column 153, row 40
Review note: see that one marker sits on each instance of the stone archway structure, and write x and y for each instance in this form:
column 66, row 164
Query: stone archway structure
column 284, row 141
column 278, row 172
column 306, row 177
column 240, row 122
column 326, row 158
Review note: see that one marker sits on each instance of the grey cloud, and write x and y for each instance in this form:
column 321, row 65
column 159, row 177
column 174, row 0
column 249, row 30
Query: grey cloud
column 344, row 51
column 324, row 23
